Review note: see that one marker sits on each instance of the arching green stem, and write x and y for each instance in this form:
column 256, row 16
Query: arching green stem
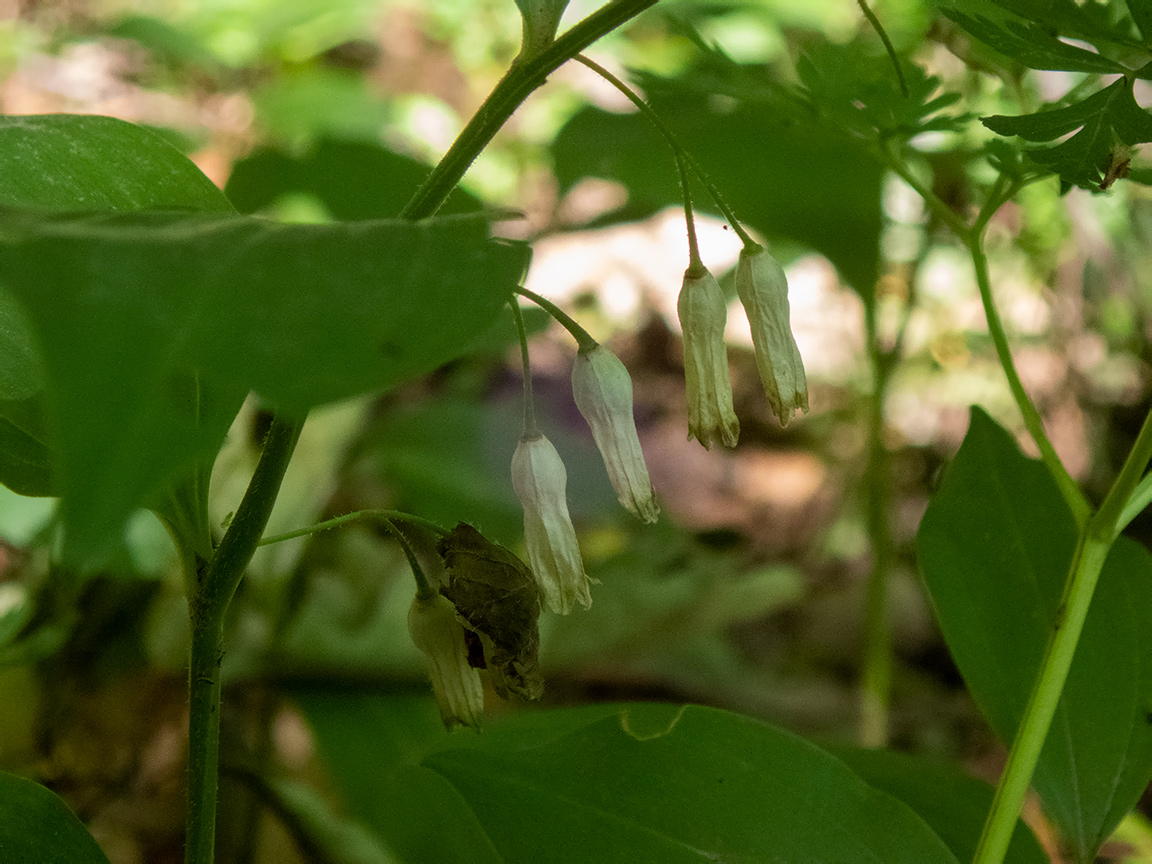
column 531, row 430
column 584, row 340
column 973, row 238
column 678, row 152
column 356, row 516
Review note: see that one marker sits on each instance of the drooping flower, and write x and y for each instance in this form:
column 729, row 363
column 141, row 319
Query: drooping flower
column 763, row 289
column 602, row 388
column 703, row 314
column 540, row 481
column 439, row 636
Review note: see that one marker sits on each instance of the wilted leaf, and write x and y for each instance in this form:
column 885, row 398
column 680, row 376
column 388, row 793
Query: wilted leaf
column 495, row 592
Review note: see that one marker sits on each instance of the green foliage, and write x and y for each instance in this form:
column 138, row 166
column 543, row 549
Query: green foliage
column 859, row 94
column 953, row 803
column 995, row 547
column 1033, row 45
column 1109, row 120
column 35, row 825
column 301, row 314
column 371, row 745
column 658, row 783
column 354, row 180
column 65, row 162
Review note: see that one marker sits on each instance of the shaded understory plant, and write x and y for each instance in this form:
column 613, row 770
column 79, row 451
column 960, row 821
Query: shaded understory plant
column 118, row 395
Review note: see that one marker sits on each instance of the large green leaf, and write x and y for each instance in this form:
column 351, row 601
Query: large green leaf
column 953, row 803
column 35, row 825
column 83, row 162
column 153, row 327
column 657, row 783
column 1031, row 44
column 67, row 162
column 371, row 744
column 352, row 179
column 995, row 547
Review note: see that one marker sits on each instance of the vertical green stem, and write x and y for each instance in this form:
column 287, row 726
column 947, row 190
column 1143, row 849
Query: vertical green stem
column 207, row 607
column 1069, row 489
column 1033, row 730
column 973, row 238
column 1096, row 538
column 876, row 685
column 209, row 599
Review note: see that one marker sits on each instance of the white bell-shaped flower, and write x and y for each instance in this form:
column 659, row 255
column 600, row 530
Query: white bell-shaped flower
column 541, row 483
column 602, row 388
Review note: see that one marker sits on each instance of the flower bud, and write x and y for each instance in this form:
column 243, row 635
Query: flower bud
column 602, row 388
column 763, row 289
column 703, row 314
column 540, row 481
column 439, row 635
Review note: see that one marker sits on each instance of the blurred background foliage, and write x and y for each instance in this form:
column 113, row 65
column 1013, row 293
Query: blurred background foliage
column 750, row 592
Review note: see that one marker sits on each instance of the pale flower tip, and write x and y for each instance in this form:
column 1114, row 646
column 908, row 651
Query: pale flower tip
column 540, row 481
column 438, row 634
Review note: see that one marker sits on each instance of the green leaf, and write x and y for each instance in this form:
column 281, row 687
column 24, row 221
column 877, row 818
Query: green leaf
column 858, row 92
column 35, row 825
column 953, row 803
column 658, row 783
column 71, row 162
column 994, row 547
column 153, row 328
column 353, row 179
column 1032, row 45
column 64, row 162
column 1141, row 12
column 371, row 745
column 1105, row 120
column 321, row 835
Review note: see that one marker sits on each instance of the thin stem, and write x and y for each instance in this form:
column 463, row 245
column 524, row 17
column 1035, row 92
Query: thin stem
column 1069, row 489
column 875, row 22
column 973, row 238
column 1141, row 498
column 1033, row 730
column 336, row 522
column 1108, row 520
column 509, row 93
column 424, row 589
column 209, row 600
column 876, row 683
column 683, row 157
column 584, row 340
column 207, row 607
column 694, row 261
column 531, row 430
column 1096, row 538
